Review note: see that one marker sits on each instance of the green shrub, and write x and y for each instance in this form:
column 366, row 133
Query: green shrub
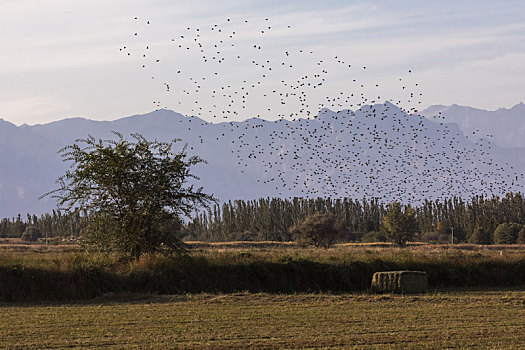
column 374, row 236
column 480, row 236
column 319, row 230
column 435, row 237
column 521, row 236
column 507, row 233
column 31, row 234
column 400, row 223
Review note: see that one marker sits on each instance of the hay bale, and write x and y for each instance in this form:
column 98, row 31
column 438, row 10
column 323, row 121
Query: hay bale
column 400, row 282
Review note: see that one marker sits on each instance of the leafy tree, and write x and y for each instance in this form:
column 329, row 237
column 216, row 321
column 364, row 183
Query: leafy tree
column 319, row 230
column 507, row 233
column 442, row 228
column 135, row 193
column 521, row 235
column 400, row 223
column 31, row 234
column 481, row 236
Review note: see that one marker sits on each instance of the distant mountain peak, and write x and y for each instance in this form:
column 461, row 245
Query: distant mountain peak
column 6, row 123
column 506, row 125
column 375, row 151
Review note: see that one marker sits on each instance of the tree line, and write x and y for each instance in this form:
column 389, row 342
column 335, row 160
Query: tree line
column 472, row 221
column 51, row 225
column 270, row 219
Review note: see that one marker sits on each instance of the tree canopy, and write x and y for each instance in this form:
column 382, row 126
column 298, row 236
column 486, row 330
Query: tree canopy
column 400, row 223
column 135, row 192
column 319, row 230
column 507, row 233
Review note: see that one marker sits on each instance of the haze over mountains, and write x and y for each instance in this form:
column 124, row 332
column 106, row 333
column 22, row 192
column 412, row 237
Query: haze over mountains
column 376, row 151
column 506, row 126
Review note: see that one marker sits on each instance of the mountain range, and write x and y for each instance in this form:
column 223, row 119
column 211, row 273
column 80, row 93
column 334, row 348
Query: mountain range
column 505, row 127
column 375, row 151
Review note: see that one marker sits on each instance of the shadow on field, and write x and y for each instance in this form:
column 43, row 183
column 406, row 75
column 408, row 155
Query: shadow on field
column 245, row 272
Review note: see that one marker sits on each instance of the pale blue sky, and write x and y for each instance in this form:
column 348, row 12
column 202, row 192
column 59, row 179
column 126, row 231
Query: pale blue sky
column 61, row 58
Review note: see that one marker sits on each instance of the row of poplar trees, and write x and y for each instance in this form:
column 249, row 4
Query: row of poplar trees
column 55, row 224
column 270, row 219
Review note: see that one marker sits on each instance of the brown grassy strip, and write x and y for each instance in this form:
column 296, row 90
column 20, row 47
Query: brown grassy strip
column 34, row 276
column 494, row 320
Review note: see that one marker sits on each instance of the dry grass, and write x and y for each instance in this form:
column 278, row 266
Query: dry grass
column 9, row 245
column 362, row 251
column 39, row 274
column 47, row 256
column 492, row 320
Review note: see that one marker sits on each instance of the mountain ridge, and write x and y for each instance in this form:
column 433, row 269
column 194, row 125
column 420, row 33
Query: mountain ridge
column 375, row 151
column 507, row 125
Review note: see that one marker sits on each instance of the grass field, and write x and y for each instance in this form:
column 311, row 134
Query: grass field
column 489, row 319
column 445, row 318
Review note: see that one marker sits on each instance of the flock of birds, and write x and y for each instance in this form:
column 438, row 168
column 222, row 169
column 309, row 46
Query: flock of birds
column 327, row 140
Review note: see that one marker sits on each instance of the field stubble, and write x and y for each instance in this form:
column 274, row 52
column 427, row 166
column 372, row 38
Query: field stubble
column 494, row 320
column 450, row 318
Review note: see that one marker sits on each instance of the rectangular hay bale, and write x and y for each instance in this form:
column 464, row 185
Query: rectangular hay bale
column 400, row 282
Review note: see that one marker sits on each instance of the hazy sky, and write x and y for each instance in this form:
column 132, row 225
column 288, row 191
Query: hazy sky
column 63, row 58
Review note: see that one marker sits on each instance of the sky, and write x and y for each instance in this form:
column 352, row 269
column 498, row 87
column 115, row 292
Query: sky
column 64, row 58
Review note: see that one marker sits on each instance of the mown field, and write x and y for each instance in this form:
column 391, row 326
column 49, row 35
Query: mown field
column 458, row 320
column 261, row 295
